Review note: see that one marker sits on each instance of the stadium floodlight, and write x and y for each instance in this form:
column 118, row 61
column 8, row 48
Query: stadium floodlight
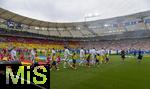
column 90, row 15
column 78, row 28
column 106, row 25
column 96, row 14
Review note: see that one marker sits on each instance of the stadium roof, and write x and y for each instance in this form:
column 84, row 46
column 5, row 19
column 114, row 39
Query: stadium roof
column 74, row 10
column 5, row 14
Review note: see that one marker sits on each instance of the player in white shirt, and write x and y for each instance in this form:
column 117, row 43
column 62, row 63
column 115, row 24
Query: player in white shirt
column 102, row 52
column 93, row 55
column 106, row 51
column 53, row 52
column 33, row 53
column 103, row 55
column 82, row 56
column 14, row 54
column 66, row 57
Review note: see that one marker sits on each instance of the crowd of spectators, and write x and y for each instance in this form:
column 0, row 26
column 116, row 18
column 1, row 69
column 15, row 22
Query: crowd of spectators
column 15, row 37
column 142, row 43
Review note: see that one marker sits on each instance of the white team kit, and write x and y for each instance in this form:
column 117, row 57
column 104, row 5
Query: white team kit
column 82, row 56
column 102, row 52
column 13, row 54
column 53, row 52
column 93, row 54
column 33, row 53
column 66, row 54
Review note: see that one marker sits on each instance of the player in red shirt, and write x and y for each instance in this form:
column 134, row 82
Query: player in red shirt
column 1, row 55
column 22, row 57
column 9, row 57
column 48, row 59
column 4, row 51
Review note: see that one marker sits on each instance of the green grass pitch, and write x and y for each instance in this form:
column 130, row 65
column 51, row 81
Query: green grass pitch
column 114, row 75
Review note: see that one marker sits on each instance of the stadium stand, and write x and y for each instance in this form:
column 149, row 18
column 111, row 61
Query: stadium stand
column 114, row 31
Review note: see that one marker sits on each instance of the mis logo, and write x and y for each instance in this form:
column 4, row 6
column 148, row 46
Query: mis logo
column 24, row 76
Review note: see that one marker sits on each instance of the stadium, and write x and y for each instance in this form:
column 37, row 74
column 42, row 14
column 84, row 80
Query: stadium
column 107, row 53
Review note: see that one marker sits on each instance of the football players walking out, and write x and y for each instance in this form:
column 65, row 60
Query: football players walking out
column 88, row 57
column 82, row 56
column 140, row 55
column 74, row 58
column 97, row 60
column 33, row 53
column 54, row 62
column 58, row 57
column 101, row 53
column 106, row 58
column 53, row 52
column 14, row 54
column 66, row 56
column 93, row 55
column 123, row 55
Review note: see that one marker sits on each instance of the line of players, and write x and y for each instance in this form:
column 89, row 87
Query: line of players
column 88, row 58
